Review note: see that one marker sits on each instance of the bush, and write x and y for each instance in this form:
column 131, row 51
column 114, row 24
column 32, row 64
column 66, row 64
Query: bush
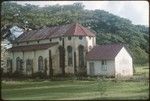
column 2, row 71
column 39, row 75
column 140, row 56
column 7, row 75
column 17, row 74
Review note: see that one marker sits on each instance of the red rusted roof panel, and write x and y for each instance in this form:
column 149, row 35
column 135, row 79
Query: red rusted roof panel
column 74, row 29
column 33, row 47
column 104, row 52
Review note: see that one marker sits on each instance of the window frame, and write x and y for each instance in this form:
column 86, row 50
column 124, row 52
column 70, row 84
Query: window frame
column 9, row 64
column 60, row 39
column 19, row 64
column 104, row 65
column 103, row 62
column 81, row 55
column 80, row 37
column 69, row 37
column 40, row 64
column 29, row 66
column 70, row 56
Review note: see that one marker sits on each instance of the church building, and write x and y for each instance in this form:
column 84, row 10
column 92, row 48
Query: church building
column 55, row 50
column 60, row 50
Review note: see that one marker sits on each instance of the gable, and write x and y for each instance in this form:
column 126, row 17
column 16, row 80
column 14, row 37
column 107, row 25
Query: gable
column 123, row 53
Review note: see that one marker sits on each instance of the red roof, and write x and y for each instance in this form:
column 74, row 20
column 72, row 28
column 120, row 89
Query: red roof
column 74, row 29
column 33, row 47
column 104, row 52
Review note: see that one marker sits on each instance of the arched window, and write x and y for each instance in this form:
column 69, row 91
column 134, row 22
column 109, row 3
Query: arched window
column 40, row 64
column 29, row 66
column 81, row 55
column 9, row 65
column 19, row 64
column 69, row 49
column 69, row 37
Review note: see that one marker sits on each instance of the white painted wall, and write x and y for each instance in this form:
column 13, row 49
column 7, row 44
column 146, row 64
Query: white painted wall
column 74, row 42
column 98, row 68
column 55, row 59
column 123, row 63
column 29, row 55
column 90, row 42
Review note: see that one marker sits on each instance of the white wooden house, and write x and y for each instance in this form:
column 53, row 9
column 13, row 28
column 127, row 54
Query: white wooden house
column 109, row 60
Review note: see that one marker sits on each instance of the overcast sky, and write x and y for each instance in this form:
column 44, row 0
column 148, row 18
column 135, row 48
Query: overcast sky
column 136, row 11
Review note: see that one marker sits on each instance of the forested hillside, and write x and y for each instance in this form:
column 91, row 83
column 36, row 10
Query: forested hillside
column 109, row 28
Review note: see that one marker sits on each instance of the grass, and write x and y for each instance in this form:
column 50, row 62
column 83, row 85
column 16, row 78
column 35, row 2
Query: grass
column 79, row 89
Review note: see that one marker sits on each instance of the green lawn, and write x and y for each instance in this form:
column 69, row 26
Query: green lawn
column 137, row 88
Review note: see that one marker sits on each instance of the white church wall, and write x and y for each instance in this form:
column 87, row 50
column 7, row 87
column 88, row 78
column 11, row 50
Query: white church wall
column 29, row 55
column 55, row 59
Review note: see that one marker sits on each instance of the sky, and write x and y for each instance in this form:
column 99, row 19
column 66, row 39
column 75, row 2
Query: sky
column 135, row 11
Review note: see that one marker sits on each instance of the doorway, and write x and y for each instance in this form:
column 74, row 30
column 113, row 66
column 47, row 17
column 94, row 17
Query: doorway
column 91, row 65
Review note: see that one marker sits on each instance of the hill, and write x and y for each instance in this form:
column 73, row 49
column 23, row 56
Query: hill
column 109, row 28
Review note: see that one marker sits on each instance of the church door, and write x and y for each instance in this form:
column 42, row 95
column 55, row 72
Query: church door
column 91, row 68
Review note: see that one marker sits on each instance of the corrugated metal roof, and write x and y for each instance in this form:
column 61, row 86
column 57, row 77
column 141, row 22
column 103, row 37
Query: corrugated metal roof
column 104, row 52
column 33, row 47
column 74, row 29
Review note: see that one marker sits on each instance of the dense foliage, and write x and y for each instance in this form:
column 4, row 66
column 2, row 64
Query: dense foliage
column 109, row 28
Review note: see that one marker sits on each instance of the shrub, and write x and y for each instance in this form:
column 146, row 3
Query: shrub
column 7, row 75
column 17, row 74
column 2, row 71
column 39, row 75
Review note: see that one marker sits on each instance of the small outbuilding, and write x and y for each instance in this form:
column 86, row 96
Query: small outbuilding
column 109, row 60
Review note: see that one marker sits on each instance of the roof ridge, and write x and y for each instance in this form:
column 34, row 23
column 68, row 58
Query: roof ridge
column 82, row 29
column 75, row 28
